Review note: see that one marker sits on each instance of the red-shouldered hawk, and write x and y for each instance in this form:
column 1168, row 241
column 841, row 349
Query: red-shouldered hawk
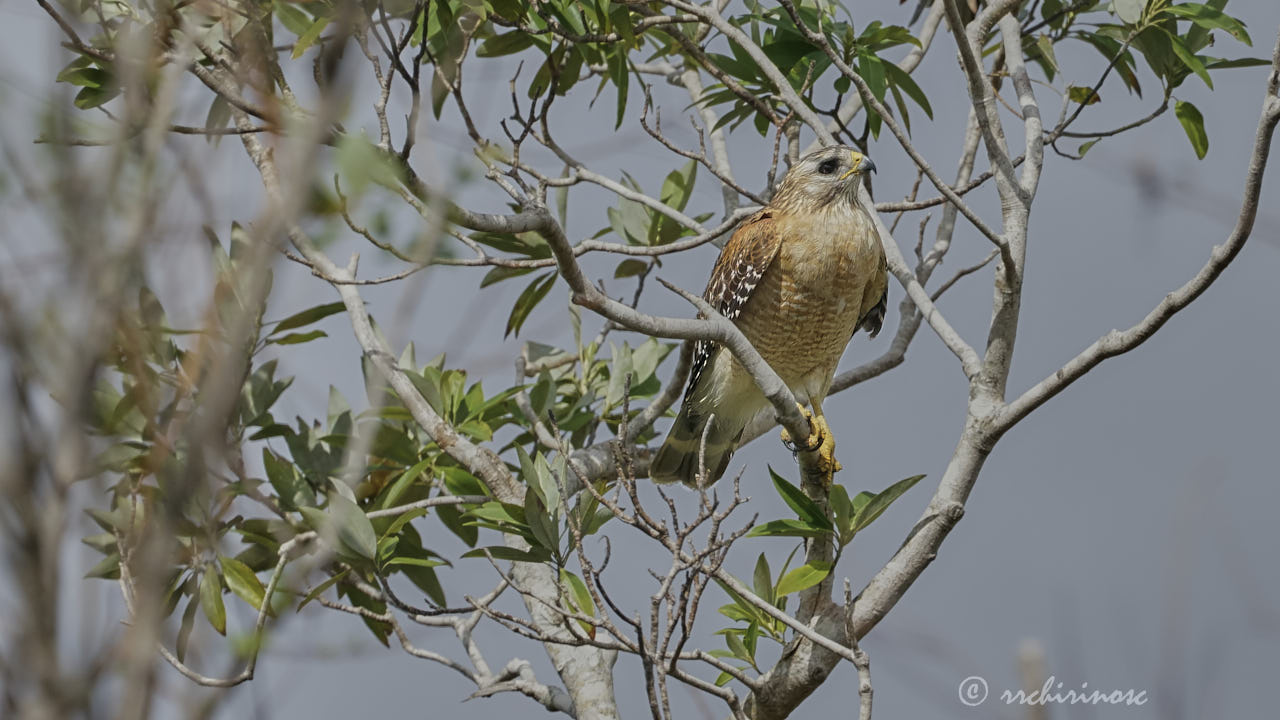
column 799, row 278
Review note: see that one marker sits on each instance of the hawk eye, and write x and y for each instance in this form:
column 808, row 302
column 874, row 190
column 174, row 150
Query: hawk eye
column 826, row 167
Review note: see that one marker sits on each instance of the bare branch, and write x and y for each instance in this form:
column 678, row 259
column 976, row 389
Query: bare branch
column 963, row 272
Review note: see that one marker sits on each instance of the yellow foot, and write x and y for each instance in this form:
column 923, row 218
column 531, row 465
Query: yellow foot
column 821, row 443
column 827, row 461
column 816, row 435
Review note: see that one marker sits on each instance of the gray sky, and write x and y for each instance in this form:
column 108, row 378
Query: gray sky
column 1125, row 526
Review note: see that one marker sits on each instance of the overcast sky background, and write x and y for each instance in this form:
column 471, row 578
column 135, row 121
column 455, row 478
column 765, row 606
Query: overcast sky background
column 1126, row 527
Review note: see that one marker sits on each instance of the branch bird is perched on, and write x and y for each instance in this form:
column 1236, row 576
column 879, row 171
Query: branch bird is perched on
column 798, row 278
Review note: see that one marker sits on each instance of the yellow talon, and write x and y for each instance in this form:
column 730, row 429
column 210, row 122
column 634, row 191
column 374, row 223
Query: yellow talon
column 816, row 433
column 821, row 441
column 827, row 451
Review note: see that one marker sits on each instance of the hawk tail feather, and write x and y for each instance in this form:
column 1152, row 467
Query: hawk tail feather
column 677, row 459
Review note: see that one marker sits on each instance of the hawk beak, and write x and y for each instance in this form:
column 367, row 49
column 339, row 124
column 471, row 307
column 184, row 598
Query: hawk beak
column 861, row 163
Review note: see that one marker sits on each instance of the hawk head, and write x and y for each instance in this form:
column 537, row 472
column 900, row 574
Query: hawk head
column 822, row 177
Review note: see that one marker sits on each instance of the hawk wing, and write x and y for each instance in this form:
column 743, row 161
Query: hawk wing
column 737, row 271
column 873, row 319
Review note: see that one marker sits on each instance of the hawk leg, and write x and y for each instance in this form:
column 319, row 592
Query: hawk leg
column 813, row 442
column 821, row 442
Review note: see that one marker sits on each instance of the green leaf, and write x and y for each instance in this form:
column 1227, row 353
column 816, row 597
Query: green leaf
column 299, row 338
column 218, row 117
column 1050, row 10
column 426, row 580
column 309, row 38
column 630, row 268
column 1236, row 63
column 381, row 630
column 1109, row 49
column 881, row 501
column 803, row 577
column 243, row 581
column 361, row 163
column 677, row 188
column 619, row 369
column 1189, row 59
column 787, row 528
column 85, row 76
column 108, row 568
column 1193, row 124
column 1129, row 11
column 498, row 512
column 387, row 546
column 291, row 488
column 1084, row 147
column 528, row 299
column 295, row 20
column 646, row 358
column 1083, row 95
column 841, row 509
column 529, row 472
column 901, row 79
column 1211, row 19
column 452, row 519
column 737, row 648
column 542, row 396
column 81, row 62
column 92, row 97
column 872, row 70
column 395, row 527
column 762, row 579
column 498, row 274
column 876, row 38
column 578, row 591
column 617, row 68
column 184, row 630
column 104, row 543
column 211, row 600
column 416, row 562
column 391, row 496
column 502, row 552
column 543, row 524
column 1045, row 44
column 308, row 316
column 355, row 532
column 315, row 591
column 505, row 44
column 738, row 613
column 795, row 498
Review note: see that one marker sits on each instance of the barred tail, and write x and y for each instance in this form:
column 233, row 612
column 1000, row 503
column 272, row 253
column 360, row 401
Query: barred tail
column 677, row 459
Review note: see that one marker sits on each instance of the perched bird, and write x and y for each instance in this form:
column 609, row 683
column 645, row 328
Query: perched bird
column 798, row 278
